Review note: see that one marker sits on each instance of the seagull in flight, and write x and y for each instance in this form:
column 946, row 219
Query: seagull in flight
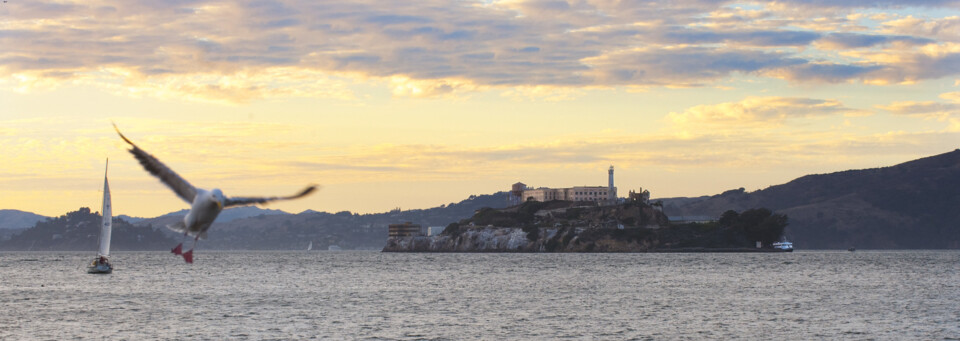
column 204, row 205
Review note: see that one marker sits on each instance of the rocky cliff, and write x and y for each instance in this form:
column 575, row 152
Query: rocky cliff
column 512, row 239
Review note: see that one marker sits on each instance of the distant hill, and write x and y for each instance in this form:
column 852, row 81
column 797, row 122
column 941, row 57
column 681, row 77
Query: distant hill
column 13, row 219
column 270, row 230
column 130, row 219
column 80, row 231
column 225, row 216
column 229, row 214
column 913, row 205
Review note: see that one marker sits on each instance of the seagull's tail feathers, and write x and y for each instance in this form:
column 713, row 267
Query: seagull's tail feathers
column 178, row 227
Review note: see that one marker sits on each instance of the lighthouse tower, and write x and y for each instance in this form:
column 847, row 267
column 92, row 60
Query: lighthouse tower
column 611, row 191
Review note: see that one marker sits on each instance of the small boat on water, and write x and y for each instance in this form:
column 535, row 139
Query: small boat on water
column 101, row 264
column 784, row 246
column 310, row 246
column 851, row 249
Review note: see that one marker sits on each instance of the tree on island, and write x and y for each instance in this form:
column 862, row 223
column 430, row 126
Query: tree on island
column 758, row 224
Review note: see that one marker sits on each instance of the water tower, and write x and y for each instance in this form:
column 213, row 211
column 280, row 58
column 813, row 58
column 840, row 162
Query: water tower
column 611, row 191
column 516, row 193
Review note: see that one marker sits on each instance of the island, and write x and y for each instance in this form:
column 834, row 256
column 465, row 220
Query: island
column 570, row 226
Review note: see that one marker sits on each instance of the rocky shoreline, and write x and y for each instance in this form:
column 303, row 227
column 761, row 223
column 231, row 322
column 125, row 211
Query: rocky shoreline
column 515, row 240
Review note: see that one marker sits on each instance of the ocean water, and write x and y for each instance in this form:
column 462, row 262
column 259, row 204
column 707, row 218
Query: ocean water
column 889, row 295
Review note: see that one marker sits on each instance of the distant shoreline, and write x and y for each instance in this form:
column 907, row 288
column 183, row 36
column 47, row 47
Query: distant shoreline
column 678, row 250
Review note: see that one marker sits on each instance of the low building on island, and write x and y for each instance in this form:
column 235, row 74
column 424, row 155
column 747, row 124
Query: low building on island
column 407, row 229
column 434, row 230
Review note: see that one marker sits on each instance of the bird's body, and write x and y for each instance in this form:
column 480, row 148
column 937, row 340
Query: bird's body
column 204, row 210
column 205, row 205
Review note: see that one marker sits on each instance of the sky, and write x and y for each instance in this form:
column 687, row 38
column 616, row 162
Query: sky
column 417, row 104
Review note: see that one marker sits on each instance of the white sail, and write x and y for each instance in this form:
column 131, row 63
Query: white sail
column 310, row 246
column 107, row 226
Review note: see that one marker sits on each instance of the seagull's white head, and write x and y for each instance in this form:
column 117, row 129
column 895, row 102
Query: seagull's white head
column 217, row 196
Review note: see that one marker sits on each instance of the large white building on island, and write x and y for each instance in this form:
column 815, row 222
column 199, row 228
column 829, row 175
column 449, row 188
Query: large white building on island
column 599, row 194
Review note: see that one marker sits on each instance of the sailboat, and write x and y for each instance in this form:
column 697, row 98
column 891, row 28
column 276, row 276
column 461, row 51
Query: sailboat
column 310, row 246
column 101, row 264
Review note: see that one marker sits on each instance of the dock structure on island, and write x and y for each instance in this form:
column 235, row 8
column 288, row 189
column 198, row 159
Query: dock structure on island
column 687, row 219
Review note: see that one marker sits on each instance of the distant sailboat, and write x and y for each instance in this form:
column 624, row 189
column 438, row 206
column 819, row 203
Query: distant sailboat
column 101, row 265
column 310, row 246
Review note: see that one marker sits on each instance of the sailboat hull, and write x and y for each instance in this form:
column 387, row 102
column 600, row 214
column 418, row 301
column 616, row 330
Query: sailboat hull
column 99, row 268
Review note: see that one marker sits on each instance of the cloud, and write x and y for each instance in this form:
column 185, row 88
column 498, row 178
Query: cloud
column 941, row 29
column 948, row 112
column 942, row 111
column 822, row 7
column 927, row 108
column 182, row 47
column 680, row 66
column 747, row 38
column 327, row 166
column 406, row 87
column 542, row 93
column 789, row 150
column 237, row 87
column 825, row 72
column 951, row 96
column 842, row 40
column 755, row 112
column 911, row 65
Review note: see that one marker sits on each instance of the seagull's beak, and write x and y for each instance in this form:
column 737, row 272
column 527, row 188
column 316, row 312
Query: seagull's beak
column 219, row 204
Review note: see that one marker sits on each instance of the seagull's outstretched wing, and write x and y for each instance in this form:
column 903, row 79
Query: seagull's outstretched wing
column 239, row 201
column 184, row 189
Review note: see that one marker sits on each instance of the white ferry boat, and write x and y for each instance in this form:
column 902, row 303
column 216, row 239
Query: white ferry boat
column 784, row 246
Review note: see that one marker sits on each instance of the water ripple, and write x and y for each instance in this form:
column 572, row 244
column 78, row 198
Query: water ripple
column 374, row 296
